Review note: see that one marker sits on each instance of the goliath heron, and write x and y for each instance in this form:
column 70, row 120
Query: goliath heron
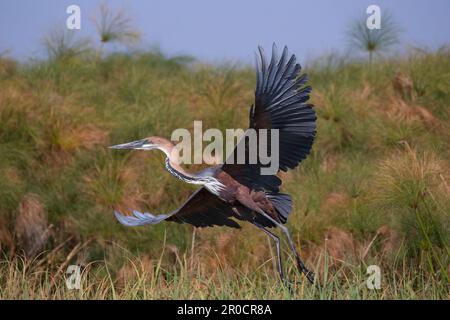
column 234, row 191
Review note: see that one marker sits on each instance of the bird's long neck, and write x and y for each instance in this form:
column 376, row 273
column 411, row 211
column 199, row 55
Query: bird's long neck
column 177, row 171
column 172, row 165
column 210, row 182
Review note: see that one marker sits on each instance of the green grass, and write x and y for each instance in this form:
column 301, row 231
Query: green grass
column 376, row 184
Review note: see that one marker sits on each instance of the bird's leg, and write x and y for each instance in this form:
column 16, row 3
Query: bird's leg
column 249, row 203
column 277, row 244
column 300, row 265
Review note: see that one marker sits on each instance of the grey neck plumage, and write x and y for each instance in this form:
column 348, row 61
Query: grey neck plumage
column 210, row 183
column 184, row 177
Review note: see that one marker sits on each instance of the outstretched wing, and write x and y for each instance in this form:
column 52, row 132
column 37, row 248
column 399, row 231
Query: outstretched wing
column 281, row 97
column 201, row 209
column 280, row 103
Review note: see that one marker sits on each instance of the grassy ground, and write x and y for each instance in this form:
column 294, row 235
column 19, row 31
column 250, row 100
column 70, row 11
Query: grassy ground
column 375, row 190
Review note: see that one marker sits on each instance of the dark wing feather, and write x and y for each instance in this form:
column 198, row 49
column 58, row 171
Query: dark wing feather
column 280, row 103
column 201, row 209
column 204, row 209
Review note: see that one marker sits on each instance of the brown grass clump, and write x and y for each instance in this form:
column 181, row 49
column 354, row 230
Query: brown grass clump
column 338, row 249
column 339, row 244
column 403, row 86
column 6, row 238
column 66, row 139
column 31, row 228
column 399, row 110
column 86, row 137
column 390, row 240
column 134, row 270
column 329, row 163
column 67, row 130
column 333, row 200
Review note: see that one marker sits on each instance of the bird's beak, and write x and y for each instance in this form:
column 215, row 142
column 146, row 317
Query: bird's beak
column 138, row 145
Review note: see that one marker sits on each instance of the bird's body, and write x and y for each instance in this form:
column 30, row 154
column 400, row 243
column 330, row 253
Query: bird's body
column 235, row 191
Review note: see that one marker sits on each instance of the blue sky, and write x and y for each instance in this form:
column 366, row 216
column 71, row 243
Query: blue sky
column 218, row 31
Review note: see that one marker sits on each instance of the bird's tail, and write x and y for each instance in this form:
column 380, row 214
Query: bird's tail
column 139, row 218
column 282, row 203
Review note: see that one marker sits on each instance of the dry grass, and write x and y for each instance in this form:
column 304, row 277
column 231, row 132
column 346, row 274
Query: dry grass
column 147, row 278
column 31, row 227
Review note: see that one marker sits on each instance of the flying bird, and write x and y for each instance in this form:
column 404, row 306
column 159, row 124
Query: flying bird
column 236, row 192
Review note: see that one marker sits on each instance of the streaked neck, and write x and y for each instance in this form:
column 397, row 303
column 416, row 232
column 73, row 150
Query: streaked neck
column 172, row 165
column 211, row 183
column 178, row 172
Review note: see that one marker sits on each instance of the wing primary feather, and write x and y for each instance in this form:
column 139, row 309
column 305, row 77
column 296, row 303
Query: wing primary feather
column 263, row 67
column 295, row 84
column 279, row 68
column 284, row 74
column 258, row 75
column 273, row 62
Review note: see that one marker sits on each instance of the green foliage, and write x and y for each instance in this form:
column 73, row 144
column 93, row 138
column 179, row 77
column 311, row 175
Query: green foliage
column 374, row 41
column 63, row 45
column 58, row 117
column 115, row 26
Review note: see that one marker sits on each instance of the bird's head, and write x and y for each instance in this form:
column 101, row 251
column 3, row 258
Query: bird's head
column 149, row 143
